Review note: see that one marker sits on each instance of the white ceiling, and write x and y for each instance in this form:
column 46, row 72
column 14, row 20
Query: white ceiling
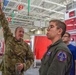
column 40, row 11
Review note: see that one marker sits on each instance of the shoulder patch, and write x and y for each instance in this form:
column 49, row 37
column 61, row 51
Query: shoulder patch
column 61, row 56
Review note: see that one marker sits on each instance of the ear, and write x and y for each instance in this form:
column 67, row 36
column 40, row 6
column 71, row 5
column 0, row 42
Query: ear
column 60, row 31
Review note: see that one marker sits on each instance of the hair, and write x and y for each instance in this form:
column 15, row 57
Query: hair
column 67, row 34
column 60, row 24
column 17, row 29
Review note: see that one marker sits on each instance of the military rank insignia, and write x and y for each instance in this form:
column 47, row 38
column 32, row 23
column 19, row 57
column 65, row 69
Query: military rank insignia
column 61, row 56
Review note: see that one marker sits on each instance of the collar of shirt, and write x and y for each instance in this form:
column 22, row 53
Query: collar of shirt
column 18, row 40
column 57, row 42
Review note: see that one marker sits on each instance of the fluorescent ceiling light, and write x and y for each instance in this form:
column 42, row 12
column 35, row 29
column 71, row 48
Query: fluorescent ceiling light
column 16, row 12
column 33, row 29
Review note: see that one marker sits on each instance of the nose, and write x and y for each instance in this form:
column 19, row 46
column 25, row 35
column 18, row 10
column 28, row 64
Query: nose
column 48, row 29
column 22, row 33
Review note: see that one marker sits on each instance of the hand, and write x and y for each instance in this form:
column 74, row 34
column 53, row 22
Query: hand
column 20, row 67
column 0, row 8
column 1, row 12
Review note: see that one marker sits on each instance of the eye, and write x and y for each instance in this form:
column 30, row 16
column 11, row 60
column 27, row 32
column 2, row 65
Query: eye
column 51, row 26
column 21, row 31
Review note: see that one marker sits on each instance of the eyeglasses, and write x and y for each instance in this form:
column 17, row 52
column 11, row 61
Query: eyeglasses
column 50, row 26
column 65, row 36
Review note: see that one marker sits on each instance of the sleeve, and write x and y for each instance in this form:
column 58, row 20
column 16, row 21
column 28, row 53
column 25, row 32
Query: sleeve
column 29, row 58
column 74, row 54
column 4, row 23
column 60, row 63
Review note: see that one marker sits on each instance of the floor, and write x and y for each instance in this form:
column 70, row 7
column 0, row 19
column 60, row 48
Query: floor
column 32, row 71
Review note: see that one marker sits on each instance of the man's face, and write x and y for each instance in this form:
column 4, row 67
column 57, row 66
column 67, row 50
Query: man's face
column 52, row 30
column 19, row 33
column 66, row 38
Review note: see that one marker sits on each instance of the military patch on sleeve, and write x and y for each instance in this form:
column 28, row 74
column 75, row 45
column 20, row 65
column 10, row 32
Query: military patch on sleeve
column 61, row 56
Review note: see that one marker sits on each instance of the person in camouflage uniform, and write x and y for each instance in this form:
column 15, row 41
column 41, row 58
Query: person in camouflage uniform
column 58, row 58
column 18, row 55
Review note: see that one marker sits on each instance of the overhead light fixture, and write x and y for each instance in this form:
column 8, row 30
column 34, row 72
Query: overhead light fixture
column 16, row 12
column 33, row 30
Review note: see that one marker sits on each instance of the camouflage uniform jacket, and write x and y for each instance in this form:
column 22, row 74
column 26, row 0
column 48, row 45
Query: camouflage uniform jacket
column 15, row 51
column 57, row 60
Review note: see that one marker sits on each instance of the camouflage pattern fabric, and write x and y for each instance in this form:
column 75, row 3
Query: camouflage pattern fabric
column 15, row 51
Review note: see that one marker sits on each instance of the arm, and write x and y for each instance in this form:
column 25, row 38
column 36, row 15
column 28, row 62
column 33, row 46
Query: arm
column 29, row 58
column 60, row 63
column 74, row 55
column 4, row 24
column 75, row 67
